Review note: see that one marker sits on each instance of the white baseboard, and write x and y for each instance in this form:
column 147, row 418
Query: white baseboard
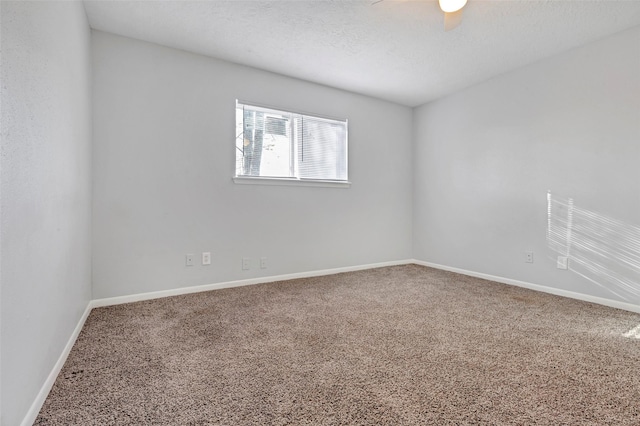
column 558, row 292
column 32, row 414
column 109, row 301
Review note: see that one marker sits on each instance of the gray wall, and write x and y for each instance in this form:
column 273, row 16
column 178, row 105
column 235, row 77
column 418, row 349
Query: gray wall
column 484, row 159
column 46, row 187
column 163, row 167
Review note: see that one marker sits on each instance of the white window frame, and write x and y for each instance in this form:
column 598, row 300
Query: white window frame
column 292, row 181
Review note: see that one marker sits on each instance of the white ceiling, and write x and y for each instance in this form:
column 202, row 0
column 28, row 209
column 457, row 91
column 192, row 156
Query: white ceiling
column 394, row 50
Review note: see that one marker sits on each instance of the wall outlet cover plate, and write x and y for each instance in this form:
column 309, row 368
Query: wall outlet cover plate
column 246, row 263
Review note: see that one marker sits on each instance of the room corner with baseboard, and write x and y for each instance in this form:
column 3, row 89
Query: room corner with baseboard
column 527, row 171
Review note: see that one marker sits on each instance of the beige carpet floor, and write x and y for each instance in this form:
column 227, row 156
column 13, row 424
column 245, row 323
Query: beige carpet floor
column 403, row 345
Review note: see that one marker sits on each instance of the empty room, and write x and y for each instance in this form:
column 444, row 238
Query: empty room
column 320, row 212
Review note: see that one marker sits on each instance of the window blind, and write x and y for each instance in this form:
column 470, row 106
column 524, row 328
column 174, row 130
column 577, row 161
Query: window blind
column 285, row 144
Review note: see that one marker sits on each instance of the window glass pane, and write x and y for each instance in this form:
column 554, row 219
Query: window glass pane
column 239, row 140
column 265, row 146
column 276, row 147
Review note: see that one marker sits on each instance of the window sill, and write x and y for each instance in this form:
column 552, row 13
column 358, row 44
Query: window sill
column 245, row 180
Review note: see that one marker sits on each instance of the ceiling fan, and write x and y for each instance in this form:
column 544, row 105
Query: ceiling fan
column 452, row 10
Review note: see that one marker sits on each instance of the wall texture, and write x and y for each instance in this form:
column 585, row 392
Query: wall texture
column 163, row 167
column 46, row 191
column 484, row 159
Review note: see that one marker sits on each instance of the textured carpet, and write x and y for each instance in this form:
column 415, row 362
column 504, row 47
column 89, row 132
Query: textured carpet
column 404, row 345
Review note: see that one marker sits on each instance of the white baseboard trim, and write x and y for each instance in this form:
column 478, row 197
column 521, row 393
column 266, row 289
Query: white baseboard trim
column 109, row 301
column 32, row 414
column 558, row 292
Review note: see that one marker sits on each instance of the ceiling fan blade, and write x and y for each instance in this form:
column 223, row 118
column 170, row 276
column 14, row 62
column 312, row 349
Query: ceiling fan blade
column 452, row 19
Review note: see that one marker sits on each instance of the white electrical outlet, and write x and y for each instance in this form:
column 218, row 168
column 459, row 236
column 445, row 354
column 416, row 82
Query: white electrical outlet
column 528, row 256
column 206, row 258
column 563, row 262
column 189, row 260
column 263, row 262
column 246, row 263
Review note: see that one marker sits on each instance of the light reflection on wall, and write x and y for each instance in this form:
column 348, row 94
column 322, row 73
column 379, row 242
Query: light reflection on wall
column 604, row 250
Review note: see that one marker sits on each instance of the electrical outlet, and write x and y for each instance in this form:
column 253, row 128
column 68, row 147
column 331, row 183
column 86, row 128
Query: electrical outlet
column 528, row 256
column 206, row 258
column 246, row 263
column 263, row 262
column 189, row 259
column 563, row 262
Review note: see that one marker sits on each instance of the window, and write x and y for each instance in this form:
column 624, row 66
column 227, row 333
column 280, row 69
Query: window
column 273, row 146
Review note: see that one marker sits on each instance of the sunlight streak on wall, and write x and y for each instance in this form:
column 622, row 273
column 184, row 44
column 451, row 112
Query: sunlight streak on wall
column 604, row 250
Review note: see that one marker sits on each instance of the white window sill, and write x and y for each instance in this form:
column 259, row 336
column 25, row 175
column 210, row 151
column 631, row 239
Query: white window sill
column 245, row 180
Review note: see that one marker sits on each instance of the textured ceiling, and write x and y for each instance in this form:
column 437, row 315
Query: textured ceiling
column 394, row 50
